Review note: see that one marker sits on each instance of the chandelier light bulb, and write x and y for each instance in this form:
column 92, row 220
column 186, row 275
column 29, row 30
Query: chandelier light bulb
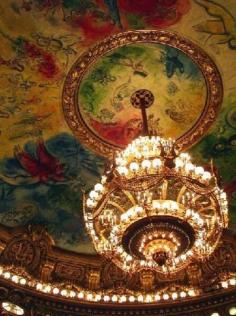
column 189, row 167
column 134, row 166
column 146, row 164
column 99, row 187
column 156, row 163
column 179, row 163
column 199, row 171
column 94, row 195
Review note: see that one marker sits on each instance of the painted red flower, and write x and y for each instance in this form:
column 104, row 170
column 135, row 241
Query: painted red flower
column 141, row 7
column 43, row 167
column 48, row 67
column 46, row 64
column 156, row 13
column 93, row 27
column 32, row 50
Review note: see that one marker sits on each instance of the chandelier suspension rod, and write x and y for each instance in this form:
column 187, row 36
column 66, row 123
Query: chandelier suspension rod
column 144, row 118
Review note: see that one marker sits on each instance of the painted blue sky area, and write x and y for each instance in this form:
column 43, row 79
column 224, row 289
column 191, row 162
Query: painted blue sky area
column 57, row 205
column 176, row 62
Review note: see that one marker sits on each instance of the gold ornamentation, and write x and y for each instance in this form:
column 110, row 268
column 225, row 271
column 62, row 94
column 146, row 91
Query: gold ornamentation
column 154, row 209
column 27, row 249
column 147, row 279
column 73, row 273
column 46, row 272
column 93, row 277
column 74, row 269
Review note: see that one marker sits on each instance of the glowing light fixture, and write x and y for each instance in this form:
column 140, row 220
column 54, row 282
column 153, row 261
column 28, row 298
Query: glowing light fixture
column 80, row 294
column 154, row 208
column 12, row 308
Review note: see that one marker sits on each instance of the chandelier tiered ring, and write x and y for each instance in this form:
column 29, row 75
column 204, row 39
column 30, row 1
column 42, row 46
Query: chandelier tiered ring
column 155, row 209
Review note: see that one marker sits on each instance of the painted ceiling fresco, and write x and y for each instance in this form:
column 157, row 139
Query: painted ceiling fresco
column 44, row 169
column 120, row 73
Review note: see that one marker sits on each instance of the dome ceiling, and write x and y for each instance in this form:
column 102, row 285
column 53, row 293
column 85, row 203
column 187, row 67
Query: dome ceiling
column 157, row 67
column 44, row 166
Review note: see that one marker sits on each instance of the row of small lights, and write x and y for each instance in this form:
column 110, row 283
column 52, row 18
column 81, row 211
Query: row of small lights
column 129, row 161
column 232, row 312
column 85, row 295
column 165, row 208
column 148, row 166
column 153, row 236
column 12, row 308
column 145, row 147
column 99, row 189
column 128, row 260
column 137, row 211
column 97, row 193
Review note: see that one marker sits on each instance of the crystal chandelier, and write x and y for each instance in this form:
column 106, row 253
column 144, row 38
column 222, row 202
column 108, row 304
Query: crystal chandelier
column 154, row 209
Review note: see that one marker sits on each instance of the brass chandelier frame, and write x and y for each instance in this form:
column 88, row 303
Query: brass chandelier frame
column 154, row 209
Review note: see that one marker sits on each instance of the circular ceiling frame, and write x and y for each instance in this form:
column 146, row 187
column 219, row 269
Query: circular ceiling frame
column 79, row 69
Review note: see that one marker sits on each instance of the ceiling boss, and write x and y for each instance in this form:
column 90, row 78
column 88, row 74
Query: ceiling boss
column 154, row 208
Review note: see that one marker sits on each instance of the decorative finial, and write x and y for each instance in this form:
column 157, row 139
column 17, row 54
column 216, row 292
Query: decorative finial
column 142, row 98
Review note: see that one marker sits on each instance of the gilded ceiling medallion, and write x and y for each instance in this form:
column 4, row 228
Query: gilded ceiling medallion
column 185, row 82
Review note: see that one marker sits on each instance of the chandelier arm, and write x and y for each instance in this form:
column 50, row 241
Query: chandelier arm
column 133, row 184
column 181, row 193
column 195, row 187
column 118, row 207
column 129, row 196
column 164, row 190
column 99, row 209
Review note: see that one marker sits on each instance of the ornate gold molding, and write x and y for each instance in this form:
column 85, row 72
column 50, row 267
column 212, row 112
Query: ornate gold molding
column 32, row 250
column 81, row 66
column 39, row 305
column 28, row 249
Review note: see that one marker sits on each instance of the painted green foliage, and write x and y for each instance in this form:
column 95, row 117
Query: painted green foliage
column 105, row 91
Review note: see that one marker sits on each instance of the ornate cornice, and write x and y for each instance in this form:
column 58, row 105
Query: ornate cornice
column 33, row 249
column 41, row 304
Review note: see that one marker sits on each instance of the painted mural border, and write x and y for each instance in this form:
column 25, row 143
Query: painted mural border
column 198, row 56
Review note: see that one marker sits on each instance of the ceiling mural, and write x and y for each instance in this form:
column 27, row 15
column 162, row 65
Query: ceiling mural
column 105, row 93
column 44, row 168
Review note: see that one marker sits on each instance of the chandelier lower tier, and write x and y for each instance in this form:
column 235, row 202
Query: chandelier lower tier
column 154, row 209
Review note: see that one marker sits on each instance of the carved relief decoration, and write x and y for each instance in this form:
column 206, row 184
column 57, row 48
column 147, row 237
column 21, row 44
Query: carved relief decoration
column 33, row 251
column 28, row 249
